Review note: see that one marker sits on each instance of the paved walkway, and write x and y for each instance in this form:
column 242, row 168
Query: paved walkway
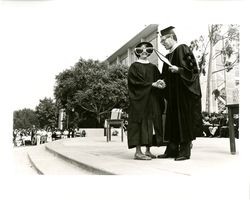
column 211, row 173
column 22, row 166
column 210, row 156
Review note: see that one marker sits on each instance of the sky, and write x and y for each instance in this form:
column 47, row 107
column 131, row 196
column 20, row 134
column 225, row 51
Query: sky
column 39, row 39
column 43, row 38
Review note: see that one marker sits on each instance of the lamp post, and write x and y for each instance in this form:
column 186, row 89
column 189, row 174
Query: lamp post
column 72, row 110
column 67, row 124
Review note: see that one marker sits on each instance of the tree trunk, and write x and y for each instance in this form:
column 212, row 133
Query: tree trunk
column 98, row 117
column 209, row 76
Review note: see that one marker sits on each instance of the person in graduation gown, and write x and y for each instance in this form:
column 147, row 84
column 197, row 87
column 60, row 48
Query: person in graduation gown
column 146, row 103
column 183, row 95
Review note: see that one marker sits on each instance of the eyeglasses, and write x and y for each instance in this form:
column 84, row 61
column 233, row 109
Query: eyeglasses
column 163, row 38
column 148, row 50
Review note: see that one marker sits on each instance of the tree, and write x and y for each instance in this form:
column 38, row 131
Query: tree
column 229, row 36
column 24, row 119
column 93, row 88
column 47, row 113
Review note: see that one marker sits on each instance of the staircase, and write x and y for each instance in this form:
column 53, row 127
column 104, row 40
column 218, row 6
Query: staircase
column 47, row 163
column 54, row 159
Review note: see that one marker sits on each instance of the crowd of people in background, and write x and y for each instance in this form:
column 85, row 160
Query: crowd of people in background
column 216, row 125
column 35, row 136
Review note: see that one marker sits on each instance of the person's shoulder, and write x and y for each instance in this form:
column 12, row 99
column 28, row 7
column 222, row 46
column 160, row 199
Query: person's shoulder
column 151, row 64
column 155, row 67
column 183, row 47
column 131, row 67
column 138, row 63
column 134, row 64
column 184, row 50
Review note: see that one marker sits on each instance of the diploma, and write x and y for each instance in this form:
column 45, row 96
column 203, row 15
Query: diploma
column 162, row 58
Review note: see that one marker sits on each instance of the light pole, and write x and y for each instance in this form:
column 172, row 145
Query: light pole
column 67, row 124
column 68, row 117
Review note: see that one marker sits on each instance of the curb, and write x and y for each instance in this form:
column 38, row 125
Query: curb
column 84, row 166
column 34, row 165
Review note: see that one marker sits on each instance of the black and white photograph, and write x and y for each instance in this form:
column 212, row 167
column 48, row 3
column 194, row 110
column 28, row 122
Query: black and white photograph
column 124, row 99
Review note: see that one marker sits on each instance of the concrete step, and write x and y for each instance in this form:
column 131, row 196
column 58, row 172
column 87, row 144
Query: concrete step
column 99, row 157
column 85, row 161
column 46, row 163
column 93, row 155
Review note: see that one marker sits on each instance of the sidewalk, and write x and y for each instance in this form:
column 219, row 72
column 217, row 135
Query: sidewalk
column 210, row 156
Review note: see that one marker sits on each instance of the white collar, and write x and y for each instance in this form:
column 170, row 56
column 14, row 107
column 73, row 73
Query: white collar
column 143, row 61
column 174, row 47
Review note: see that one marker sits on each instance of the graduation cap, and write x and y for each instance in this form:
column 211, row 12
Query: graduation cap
column 168, row 30
column 148, row 44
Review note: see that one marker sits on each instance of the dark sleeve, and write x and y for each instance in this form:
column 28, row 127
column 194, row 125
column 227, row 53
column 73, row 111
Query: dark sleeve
column 137, row 85
column 188, row 69
column 164, row 76
column 157, row 74
column 136, row 76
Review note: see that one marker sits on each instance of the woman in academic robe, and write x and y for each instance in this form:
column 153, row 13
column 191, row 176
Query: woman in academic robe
column 146, row 104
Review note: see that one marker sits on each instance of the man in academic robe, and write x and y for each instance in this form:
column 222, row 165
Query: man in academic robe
column 183, row 95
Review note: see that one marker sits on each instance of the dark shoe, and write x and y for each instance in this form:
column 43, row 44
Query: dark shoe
column 179, row 158
column 185, row 151
column 170, row 152
column 165, row 156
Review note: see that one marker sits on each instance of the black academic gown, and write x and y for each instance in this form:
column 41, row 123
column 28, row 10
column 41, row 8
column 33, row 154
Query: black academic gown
column 145, row 109
column 183, row 95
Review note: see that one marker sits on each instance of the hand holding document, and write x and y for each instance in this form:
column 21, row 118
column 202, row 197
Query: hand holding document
column 174, row 69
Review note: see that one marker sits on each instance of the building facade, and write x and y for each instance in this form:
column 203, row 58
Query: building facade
column 225, row 82
column 125, row 55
